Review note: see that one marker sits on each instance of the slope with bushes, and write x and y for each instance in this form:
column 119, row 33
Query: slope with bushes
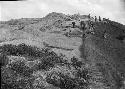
column 51, row 53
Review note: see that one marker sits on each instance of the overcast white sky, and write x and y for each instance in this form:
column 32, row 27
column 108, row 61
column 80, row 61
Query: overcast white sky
column 112, row 9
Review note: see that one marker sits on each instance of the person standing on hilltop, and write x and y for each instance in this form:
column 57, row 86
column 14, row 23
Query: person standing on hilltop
column 89, row 16
column 99, row 18
column 104, row 21
column 73, row 23
column 91, row 27
column 95, row 19
column 82, row 25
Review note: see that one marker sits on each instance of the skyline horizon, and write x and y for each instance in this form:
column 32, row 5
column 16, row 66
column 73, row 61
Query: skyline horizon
column 111, row 9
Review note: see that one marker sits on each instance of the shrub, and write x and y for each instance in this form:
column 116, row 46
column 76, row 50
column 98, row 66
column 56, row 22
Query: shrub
column 49, row 60
column 21, row 49
column 24, row 49
column 60, row 80
column 9, row 49
column 9, row 86
column 21, row 84
column 76, row 63
column 67, row 75
column 3, row 60
column 21, row 68
column 64, row 81
column 43, row 29
column 72, row 77
column 82, row 73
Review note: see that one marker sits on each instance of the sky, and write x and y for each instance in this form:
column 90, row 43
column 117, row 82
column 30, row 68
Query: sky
column 112, row 9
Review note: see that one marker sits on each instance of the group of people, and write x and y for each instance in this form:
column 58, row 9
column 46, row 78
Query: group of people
column 85, row 25
column 89, row 26
column 90, row 22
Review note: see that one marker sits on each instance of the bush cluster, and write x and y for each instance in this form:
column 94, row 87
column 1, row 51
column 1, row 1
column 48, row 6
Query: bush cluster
column 65, row 81
column 76, row 78
column 74, row 75
column 3, row 60
column 21, row 68
column 21, row 50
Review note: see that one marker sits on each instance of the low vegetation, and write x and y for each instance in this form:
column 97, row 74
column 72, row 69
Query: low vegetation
column 59, row 71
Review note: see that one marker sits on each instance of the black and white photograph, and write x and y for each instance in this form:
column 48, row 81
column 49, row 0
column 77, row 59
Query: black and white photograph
column 62, row 44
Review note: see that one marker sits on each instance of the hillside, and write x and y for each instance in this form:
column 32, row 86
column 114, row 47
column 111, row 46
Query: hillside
column 52, row 53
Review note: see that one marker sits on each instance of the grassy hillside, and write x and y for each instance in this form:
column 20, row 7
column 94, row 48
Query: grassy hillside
column 51, row 53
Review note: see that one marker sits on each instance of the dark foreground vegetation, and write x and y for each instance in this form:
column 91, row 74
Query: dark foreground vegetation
column 58, row 71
